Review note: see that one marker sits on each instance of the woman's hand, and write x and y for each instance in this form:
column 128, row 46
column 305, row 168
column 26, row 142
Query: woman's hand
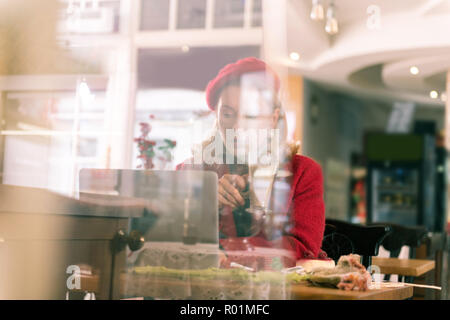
column 230, row 186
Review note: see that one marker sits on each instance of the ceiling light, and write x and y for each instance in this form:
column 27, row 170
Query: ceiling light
column 294, row 56
column 185, row 48
column 414, row 70
column 331, row 26
column 317, row 11
column 444, row 96
column 434, row 94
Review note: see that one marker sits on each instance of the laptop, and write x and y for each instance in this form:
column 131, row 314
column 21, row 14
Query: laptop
column 183, row 205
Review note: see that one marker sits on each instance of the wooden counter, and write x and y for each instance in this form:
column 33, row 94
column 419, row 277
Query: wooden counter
column 302, row 292
column 297, row 291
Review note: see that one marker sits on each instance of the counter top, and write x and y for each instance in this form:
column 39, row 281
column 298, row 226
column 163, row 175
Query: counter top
column 296, row 292
column 16, row 199
column 403, row 267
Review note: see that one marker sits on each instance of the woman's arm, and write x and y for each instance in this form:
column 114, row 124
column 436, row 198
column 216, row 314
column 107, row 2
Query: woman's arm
column 308, row 210
column 307, row 215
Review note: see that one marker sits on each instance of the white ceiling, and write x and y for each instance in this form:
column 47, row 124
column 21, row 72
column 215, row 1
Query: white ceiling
column 374, row 61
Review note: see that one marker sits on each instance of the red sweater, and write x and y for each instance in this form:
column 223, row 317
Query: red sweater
column 305, row 208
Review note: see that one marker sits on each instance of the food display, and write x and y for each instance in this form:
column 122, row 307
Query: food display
column 212, row 283
column 311, row 264
column 240, row 283
column 349, row 274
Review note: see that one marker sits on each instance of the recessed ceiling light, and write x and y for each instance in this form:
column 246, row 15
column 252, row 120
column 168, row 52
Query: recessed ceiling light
column 414, row 70
column 294, row 56
column 434, row 94
column 185, row 48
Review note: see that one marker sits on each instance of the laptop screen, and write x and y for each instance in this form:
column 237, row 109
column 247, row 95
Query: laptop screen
column 182, row 204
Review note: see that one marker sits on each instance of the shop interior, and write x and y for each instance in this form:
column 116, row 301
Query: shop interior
column 365, row 88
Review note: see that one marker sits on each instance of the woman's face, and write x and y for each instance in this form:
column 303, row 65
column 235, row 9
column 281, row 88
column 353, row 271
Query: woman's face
column 231, row 114
column 242, row 109
column 228, row 108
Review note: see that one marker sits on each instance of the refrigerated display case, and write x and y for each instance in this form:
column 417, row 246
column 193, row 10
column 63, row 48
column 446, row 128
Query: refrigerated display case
column 395, row 194
column 400, row 180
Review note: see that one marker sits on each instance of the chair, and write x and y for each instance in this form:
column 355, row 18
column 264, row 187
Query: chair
column 400, row 236
column 343, row 238
column 403, row 236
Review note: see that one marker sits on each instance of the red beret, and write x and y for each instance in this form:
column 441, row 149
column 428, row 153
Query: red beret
column 233, row 71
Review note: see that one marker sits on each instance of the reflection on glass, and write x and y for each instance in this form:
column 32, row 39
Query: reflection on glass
column 257, row 109
column 261, row 179
column 154, row 15
column 87, row 147
column 175, row 114
column 93, row 17
column 191, row 14
column 229, row 14
column 257, row 13
column 47, row 141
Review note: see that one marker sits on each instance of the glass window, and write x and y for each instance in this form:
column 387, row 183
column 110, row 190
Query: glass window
column 77, row 17
column 115, row 7
column 191, row 14
column 177, row 115
column 257, row 13
column 49, row 137
column 154, row 15
column 229, row 13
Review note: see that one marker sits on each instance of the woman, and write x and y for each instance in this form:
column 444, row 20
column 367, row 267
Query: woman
column 303, row 204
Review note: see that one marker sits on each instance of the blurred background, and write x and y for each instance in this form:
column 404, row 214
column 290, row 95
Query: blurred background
column 365, row 87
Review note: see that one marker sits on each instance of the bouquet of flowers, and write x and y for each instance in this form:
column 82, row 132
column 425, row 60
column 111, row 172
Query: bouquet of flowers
column 167, row 151
column 147, row 150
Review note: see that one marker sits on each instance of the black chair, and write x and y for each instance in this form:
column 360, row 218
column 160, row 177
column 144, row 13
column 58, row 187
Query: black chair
column 401, row 236
column 343, row 238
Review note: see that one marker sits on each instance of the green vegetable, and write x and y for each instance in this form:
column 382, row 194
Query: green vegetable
column 220, row 274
